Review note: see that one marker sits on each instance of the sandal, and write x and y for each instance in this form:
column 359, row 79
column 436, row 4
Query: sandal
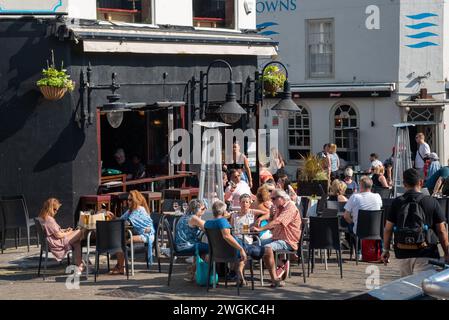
column 243, row 283
column 277, row 283
column 117, row 270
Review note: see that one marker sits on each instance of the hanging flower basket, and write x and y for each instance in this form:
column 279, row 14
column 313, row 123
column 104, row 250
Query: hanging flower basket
column 53, row 93
column 55, row 83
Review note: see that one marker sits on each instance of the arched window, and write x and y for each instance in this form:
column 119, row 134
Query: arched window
column 298, row 132
column 346, row 133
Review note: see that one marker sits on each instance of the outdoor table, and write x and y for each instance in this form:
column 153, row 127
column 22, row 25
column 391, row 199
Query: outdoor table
column 91, row 228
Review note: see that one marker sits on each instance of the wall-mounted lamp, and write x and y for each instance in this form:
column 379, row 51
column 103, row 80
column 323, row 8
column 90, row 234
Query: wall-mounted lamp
column 286, row 105
column 230, row 111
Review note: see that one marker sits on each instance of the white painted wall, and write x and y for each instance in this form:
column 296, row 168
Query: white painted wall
column 246, row 20
column 84, row 9
column 34, row 5
column 174, row 12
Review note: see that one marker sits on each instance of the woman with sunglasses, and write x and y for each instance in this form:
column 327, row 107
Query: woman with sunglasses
column 138, row 216
column 188, row 233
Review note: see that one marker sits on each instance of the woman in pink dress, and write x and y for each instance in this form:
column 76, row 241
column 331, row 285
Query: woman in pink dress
column 60, row 241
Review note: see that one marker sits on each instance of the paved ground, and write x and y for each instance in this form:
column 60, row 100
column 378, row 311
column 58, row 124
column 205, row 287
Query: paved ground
column 18, row 280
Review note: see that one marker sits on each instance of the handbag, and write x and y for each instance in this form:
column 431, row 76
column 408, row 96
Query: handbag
column 202, row 270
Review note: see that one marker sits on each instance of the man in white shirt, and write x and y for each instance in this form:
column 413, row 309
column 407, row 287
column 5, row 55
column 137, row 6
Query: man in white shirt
column 365, row 200
column 236, row 188
column 421, row 153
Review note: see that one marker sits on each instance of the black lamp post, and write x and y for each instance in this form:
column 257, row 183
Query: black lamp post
column 230, row 111
column 283, row 108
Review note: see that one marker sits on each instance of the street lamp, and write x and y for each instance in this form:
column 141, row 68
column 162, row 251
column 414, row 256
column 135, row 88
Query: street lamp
column 230, row 111
column 286, row 105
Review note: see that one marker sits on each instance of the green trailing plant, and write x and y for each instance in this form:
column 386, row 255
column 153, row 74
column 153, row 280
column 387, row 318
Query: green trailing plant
column 273, row 80
column 52, row 77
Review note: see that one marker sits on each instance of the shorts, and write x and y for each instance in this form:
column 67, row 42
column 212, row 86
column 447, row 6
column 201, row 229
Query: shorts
column 203, row 248
column 276, row 245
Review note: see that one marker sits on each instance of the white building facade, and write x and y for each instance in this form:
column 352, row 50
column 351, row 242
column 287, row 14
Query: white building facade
column 357, row 67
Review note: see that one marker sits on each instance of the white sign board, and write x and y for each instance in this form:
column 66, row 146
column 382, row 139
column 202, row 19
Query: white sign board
column 33, row 6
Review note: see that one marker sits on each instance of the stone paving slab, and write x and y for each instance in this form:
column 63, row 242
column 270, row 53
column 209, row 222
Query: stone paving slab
column 18, row 280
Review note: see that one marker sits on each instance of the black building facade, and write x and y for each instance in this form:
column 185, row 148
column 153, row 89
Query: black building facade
column 51, row 148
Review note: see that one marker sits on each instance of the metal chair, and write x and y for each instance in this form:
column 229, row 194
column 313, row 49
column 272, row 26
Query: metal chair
column 14, row 217
column 44, row 248
column 369, row 227
column 222, row 252
column 110, row 238
column 299, row 252
column 173, row 251
column 383, row 192
column 324, row 234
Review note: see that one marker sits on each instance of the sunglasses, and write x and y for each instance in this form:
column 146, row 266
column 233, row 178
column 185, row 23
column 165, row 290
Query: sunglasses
column 274, row 198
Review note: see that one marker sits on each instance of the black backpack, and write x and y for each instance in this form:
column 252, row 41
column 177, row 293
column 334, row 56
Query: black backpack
column 411, row 231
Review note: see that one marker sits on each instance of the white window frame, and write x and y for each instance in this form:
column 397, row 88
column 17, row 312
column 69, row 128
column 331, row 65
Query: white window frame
column 308, row 58
column 296, row 127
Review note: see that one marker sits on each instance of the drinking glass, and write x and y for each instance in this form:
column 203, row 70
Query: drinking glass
column 245, row 228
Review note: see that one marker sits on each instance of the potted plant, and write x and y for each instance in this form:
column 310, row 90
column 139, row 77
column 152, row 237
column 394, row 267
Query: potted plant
column 55, row 83
column 273, row 80
column 312, row 179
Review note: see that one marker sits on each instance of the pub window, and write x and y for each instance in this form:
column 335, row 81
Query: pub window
column 214, row 13
column 132, row 11
column 346, row 133
column 320, row 48
column 299, row 134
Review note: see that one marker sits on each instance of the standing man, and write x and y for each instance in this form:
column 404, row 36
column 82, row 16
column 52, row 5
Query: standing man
column 236, row 188
column 421, row 153
column 418, row 223
column 325, row 159
column 375, row 162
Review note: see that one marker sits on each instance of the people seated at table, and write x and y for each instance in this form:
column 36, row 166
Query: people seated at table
column 236, row 188
column 285, row 225
column 123, row 164
column 138, row 215
column 60, row 241
column 337, row 191
column 350, row 184
column 435, row 182
column 378, row 178
column 432, row 165
column 240, row 163
column 188, row 232
column 364, row 200
column 375, row 162
column 221, row 223
column 138, row 168
column 283, row 183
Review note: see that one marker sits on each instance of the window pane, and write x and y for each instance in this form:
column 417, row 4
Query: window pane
column 213, row 13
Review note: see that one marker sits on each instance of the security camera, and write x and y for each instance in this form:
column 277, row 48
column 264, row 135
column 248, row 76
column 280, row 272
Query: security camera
column 249, row 6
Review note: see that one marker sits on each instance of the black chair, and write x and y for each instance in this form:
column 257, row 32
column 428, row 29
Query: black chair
column 324, row 234
column 14, row 217
column 383, row 192
column 44, row 248
column 173, row 250
column 110, row 238
column 167, row 204
column 222, row 252
column 329, row 212
column 299, row 252
column 369, row 227
column 332, row 204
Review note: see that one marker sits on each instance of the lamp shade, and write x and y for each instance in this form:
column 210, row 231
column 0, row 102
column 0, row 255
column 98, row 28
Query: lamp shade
column 231, row 111
column 286, row 105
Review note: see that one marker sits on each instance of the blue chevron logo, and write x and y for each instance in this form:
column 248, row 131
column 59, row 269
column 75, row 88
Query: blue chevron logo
column 420, row 26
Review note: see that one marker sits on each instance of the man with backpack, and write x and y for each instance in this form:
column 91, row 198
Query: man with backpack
column 417, row 223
